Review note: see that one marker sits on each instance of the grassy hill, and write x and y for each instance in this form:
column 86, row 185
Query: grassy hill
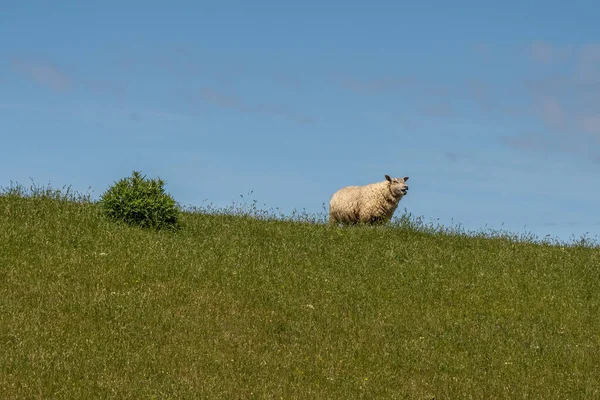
column 238, row 307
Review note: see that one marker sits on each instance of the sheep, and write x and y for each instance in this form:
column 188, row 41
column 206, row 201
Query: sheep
column 369, row 204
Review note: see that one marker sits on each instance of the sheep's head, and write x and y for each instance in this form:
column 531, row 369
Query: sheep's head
column 398, row 186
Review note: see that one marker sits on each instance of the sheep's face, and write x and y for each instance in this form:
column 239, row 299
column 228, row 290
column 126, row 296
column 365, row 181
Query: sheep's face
column 398, row 186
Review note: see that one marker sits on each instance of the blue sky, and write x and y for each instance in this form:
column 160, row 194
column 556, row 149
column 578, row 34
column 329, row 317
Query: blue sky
column 491, row 108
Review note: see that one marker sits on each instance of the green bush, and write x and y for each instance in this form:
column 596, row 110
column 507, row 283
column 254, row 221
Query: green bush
column 142, row 202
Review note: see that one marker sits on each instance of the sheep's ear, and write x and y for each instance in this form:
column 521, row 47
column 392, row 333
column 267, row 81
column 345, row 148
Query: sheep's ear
column 388, row 178
column 405, row 178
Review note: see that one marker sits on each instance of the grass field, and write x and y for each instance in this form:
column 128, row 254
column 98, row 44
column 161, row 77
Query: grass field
column 235, row 307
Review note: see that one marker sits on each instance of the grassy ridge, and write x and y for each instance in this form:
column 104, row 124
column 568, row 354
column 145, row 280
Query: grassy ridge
column 236, row 307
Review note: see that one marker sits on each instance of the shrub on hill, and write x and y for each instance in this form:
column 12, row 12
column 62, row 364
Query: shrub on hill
column 140, row 201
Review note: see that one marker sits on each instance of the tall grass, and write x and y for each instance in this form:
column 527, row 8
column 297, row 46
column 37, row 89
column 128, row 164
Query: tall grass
column 247, row 303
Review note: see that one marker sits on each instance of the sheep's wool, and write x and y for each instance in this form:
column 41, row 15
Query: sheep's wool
column 373, row 203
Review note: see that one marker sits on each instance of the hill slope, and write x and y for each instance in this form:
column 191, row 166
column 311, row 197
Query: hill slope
column 234, row 307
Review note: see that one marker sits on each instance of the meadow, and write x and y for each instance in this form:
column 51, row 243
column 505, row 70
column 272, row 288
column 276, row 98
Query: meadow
column 240, row 304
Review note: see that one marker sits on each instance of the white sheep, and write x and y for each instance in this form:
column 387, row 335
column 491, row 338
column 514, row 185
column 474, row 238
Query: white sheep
column 373, row 203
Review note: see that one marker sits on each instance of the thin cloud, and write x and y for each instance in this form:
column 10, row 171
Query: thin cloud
column 590, row 124
column 230, row 101
column 479, row 90
column 470, row 158
column 562, row 85
column 439, row 110
column 50, row 75
column 370, row 86
column 526, row 142
column 546, row 53
column 547, row 143
column 21, row 108
column 566, row 101
column 144, row 115
column 287, row 80
column 567, row 223
column 541, row 52
column 549, row 86
column 595, row 158
column 104, row 87
column 552, row 113
column 451, row 156
column 588, row 64
column 44, row 73
column 482, row 50
column 220, row 99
